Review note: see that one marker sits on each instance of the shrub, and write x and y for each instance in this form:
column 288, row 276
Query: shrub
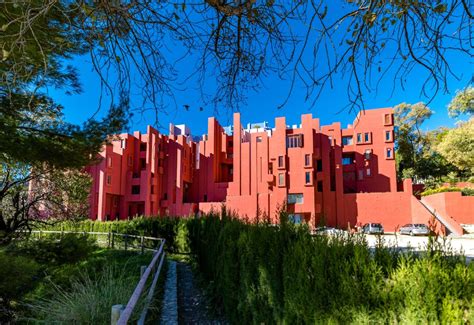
column 467, row 191
column 56, row 250
column 440, row 190
column 18, row 275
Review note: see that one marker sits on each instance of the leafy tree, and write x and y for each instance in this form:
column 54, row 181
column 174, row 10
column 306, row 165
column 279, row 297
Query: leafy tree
column 462, row 103
column 457, row 147
column 416, row 152
column 29, row 196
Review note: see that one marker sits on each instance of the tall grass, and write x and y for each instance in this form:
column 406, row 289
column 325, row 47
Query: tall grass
column 266, row 274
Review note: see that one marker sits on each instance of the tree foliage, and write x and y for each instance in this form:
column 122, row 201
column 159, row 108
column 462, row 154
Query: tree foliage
column 457, row 146
column 462, row 103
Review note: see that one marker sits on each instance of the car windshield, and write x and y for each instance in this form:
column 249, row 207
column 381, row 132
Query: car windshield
column 420, row 225
column 377, row 225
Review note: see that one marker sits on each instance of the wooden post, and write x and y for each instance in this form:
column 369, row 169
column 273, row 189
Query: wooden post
column 142, row 245
column 116, row 312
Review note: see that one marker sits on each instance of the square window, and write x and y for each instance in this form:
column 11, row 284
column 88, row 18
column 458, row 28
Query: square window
column 307, row 178
column 346, row 161
column 320, row 186
column 347, row 140
column 135, row 189
column 307, row 159
column 295, row 198
column 281, row 179
column 281, row 161
column 366, row 137
column 142, row 146
column 294, row 141
column 319, row 165
column 387, row 119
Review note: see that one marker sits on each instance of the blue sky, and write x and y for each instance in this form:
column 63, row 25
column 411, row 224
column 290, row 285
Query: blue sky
column 262, row 104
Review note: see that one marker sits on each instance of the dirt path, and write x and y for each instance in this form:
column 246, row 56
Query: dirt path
column 193, row 307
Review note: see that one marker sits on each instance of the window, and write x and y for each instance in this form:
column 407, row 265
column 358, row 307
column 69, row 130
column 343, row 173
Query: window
column 359, row 137
column 123, row 143
column 389, row 153
column 294, row 141
column 361, row 174
column 152, row 191
column 142, row 163
column 295, row 218
column 366, row 137
column 307, row 178
column 281, row 179
column 346, row 160
column 295, row 198
column 231, row 170
column 231, row 144
column 319, row 165
column 307, row 160
column 387, row 119
column 135, row 189
column 205, row 197
column 259, row 139
column 367, row 171
column 388, row 135
column 320, row 186
column 270, row 168
column 142, row 146
column 347, row 140
column 109, row 179
column 368, row 154
column 109, row 161
column 281, row 162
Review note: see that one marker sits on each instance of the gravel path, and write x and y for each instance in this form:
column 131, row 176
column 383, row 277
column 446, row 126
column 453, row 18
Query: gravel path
column 193, row 307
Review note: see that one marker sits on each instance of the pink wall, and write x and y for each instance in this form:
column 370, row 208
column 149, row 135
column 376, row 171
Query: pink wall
column 454, row 205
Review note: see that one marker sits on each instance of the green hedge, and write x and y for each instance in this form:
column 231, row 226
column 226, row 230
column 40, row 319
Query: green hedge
column 173, row 230
column 465, row 191
column 266, row 274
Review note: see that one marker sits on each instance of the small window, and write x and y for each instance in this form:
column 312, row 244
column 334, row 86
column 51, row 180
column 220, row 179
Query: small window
column 294, row 141
column 135, row 189
column 347, row 140
column 346, row 160
column 361, row 174
column 295, row 198
column 307, row 177
column 270, row 168
column 231, row 144
column 389, row 153
column 142, row 146
column 109, row 179
column 281, row 179
column 259, row 139
column 359, row 137
column 319, row 165
column 205, row 197
column 368, row 154
column 109, row 161
column 123, row 143
column 152, row 190
column 320, row 186
column 281, row 161
column 388, row 135
column 143, row 163
column 387, row 119
column 307, row 160
column 366, row 137
column 368, row 172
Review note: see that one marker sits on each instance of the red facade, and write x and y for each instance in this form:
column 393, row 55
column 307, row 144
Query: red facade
column 344, row 176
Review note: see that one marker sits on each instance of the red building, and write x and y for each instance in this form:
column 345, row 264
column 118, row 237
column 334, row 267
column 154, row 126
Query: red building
column 342, row 175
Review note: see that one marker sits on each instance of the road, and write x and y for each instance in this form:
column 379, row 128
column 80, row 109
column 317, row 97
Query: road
column 463, row 245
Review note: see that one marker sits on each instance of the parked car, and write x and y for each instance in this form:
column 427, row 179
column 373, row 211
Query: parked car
column 414, row 229
column 372, row 228
column 328, row 231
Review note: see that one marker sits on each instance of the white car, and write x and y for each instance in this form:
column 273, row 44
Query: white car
column 414, row 229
